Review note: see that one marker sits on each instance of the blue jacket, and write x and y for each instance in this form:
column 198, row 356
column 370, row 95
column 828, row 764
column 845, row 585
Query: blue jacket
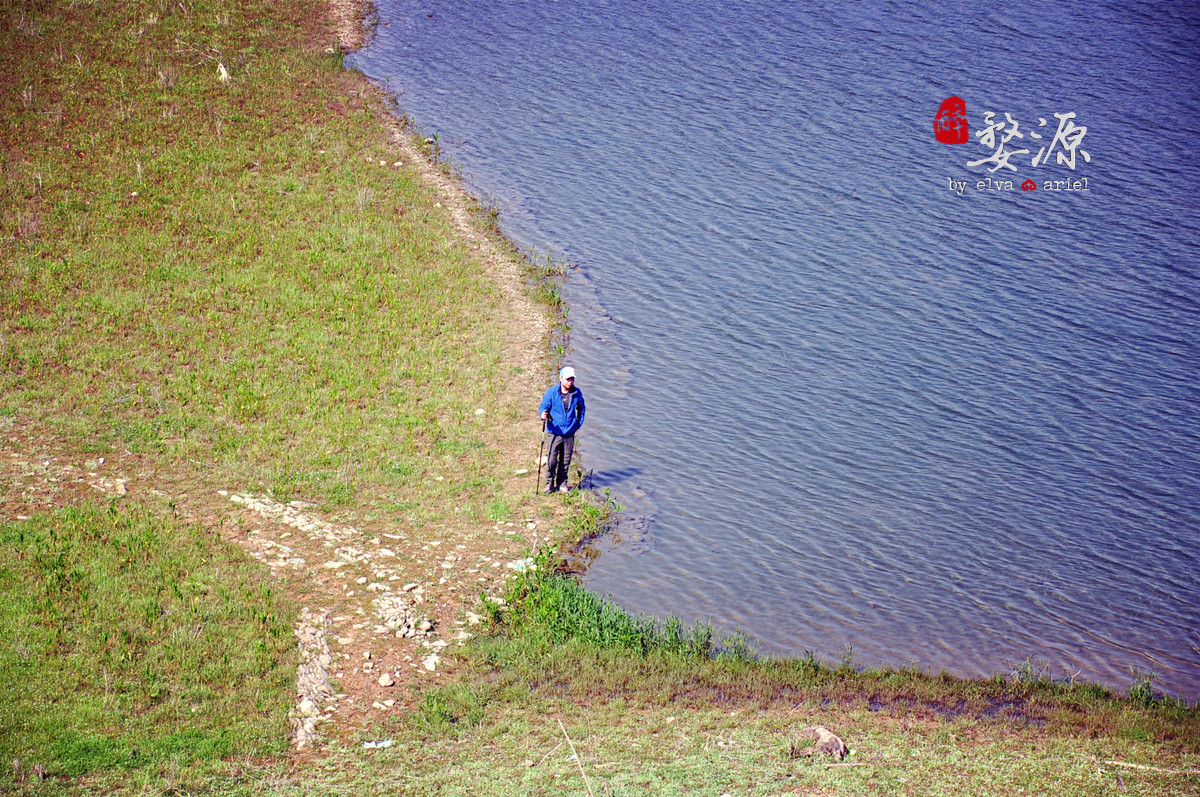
column 562, row 421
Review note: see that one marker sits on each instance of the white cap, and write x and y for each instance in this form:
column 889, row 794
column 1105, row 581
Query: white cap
column 567, row 373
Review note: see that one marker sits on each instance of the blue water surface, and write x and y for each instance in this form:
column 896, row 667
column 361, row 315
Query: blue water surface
column 847, row 407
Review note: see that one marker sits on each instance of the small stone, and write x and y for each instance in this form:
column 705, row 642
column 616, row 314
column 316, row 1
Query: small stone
column 387, row 680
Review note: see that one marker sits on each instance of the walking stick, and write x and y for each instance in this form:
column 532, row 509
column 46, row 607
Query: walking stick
column 538, row 483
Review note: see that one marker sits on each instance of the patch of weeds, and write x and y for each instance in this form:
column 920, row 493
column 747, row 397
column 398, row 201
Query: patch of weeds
column 498, row 511
column 398, row 468
column 340, row 493
column 452, row 709
column 547, row 606
column 456, row 446
column 738, row 647
column 1142, row 690
column 1030, row 674
column 847, row 664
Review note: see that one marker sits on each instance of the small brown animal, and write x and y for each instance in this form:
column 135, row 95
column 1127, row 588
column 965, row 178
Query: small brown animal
column 827, row 742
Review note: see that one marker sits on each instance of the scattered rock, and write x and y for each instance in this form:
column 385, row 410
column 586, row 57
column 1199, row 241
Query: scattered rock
column 397, row 613
column 312, row 679
column 387, row 680
column 111, row 486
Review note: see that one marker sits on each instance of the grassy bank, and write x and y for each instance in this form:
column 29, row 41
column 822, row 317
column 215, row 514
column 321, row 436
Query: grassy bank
column 219, row 270
column 233, row 272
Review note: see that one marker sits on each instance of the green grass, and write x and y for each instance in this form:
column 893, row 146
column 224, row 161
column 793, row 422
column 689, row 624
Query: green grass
column 229, row 273
column 519, row 748
column 655, row 708
column 648, row 712
column 135, row 643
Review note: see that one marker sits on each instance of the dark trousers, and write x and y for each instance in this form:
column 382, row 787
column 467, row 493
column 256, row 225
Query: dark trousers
column 558, row 460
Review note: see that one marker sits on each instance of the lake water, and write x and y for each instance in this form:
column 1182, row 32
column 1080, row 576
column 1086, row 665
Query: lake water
column 851, row 402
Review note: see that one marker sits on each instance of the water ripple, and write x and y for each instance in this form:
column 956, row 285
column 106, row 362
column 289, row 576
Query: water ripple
column 845, row 405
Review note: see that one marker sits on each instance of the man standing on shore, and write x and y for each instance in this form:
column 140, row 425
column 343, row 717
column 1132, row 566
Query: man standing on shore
column 562, row 409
